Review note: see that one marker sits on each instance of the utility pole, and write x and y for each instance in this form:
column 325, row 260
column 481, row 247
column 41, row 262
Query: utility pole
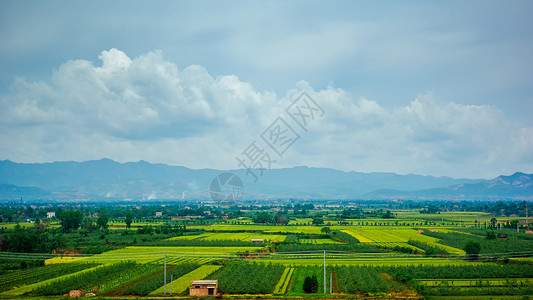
column 325, row 291
column 331, row 283
column 165, row 274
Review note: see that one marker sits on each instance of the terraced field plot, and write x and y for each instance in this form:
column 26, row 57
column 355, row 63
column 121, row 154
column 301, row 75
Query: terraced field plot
column 373, row 259
column 395, row 235
column 231, row 236
column 477, row 282
column 263, row 228
column 318, row 241
column 150, row 254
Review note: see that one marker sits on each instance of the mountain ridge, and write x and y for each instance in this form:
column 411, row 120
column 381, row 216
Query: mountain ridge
column 108, row 179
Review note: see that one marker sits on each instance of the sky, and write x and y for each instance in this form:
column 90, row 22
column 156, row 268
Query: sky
column 439, row 88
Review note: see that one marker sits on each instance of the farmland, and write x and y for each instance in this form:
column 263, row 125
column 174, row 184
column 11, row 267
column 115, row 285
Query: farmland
column 414, row 255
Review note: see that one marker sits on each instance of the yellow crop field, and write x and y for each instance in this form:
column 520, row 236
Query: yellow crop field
column 63, row 259
column 381, row 234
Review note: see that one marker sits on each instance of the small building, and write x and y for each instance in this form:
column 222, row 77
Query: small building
column 76, row 293
column 158, row 214
column 204, row 288
column 502, row 236
column 257, row 240
column 51, row 214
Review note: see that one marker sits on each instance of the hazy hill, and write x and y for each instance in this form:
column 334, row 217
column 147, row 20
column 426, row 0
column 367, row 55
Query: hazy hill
column 107, row 179
column 516, row 186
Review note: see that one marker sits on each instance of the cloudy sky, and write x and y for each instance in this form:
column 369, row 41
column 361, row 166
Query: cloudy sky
column 427, row 87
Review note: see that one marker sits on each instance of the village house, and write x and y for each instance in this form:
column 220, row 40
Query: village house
column 203, row 288
column 51, row 214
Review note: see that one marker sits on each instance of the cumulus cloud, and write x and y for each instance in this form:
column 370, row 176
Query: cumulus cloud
column 146, row 108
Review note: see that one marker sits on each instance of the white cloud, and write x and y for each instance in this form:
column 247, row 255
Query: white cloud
column 146, row 108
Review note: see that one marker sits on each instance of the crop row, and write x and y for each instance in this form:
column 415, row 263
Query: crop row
column 181, row 260
column 494, row 246
column 354, row 280
column 508, row 282
column 249, row 278
column 283, row 283
column 181, row 284
column 155, row 280
column 471, row 271
column 103, row 278
column 28, row 276
column 478, row 291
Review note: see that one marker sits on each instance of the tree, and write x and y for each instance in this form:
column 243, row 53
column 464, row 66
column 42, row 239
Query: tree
column 32, row 240
column 70, row 220
column 325, row 230
column 472, row 249
column 281, row 219
column 102, row 220
column 388, row 215
column 318, row 221
column 263, row 217
column 493, row 222
column 310, row 284
column 491, row 235
column 129, row 219
column 88, row 224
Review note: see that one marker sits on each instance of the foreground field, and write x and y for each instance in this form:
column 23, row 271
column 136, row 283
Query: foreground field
column 406, row 257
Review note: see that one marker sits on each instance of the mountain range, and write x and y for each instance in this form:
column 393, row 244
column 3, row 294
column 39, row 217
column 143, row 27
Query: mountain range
column 106, row 179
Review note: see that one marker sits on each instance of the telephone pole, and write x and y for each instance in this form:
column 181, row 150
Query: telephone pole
column 165, row 274
column 325, row 291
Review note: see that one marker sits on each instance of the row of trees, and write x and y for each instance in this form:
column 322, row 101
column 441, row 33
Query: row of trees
column 73, row 219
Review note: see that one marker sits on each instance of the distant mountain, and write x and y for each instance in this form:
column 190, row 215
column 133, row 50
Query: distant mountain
column 12, row 192
column 516, row 186
column 106, row 179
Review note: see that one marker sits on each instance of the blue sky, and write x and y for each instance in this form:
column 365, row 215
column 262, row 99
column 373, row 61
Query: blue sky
column 425, row 87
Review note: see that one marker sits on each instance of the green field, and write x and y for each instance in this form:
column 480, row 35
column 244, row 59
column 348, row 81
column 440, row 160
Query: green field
column 377, row 262
column 240, row 236
column 181, row 284
column 264, row 228
column 150, row 254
